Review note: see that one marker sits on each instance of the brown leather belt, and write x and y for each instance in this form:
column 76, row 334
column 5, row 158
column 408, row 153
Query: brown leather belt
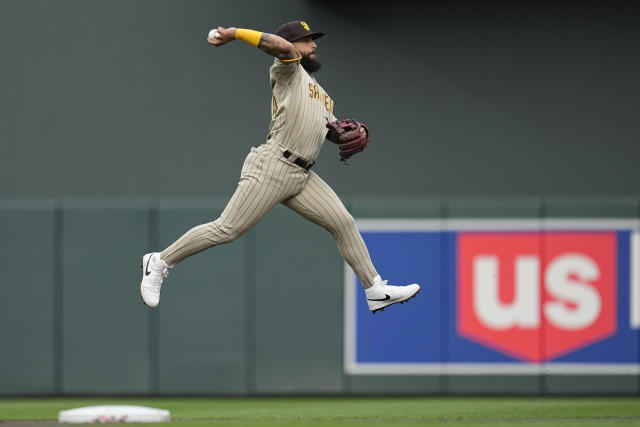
column 304, row 164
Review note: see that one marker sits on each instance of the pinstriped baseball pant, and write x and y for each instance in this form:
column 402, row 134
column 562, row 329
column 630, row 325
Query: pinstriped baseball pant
column 267, row 179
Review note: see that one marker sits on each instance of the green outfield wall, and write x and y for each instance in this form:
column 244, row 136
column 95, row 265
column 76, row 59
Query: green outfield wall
column 261, row 315
column 124, row 98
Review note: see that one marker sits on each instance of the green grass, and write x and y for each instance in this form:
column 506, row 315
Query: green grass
column 449, row 411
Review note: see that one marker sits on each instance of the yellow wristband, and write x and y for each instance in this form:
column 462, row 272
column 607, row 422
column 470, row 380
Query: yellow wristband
column 249, row 36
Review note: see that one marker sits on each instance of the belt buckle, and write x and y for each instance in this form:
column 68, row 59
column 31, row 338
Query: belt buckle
column 309, row 165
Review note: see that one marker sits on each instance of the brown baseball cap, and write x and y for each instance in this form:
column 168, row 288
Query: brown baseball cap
column 295, row 30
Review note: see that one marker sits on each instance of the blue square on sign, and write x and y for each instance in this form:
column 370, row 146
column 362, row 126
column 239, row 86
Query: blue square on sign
column 402, row 333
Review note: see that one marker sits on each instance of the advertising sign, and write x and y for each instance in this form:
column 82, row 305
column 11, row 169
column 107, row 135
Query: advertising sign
column 499, row 296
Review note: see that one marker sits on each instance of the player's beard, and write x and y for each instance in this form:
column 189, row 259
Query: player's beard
column 311, row 65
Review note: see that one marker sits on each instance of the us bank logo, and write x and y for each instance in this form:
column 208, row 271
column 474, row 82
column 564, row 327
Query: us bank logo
column 500, row 296
column 514, row 287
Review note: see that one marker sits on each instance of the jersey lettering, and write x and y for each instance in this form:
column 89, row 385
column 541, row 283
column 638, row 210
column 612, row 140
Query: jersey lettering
column 314, row 93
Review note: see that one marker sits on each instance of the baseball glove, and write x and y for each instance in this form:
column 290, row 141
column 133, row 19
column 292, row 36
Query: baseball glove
column 351, row 136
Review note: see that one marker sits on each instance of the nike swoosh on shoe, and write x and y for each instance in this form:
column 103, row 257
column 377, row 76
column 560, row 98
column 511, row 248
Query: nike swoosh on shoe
column 146, row 270
column 387, row 297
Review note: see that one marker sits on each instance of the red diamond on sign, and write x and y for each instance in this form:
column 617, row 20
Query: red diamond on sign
column 536, row 296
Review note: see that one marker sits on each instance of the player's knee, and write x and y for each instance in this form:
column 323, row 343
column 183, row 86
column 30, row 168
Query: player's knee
column 345, row 222
column 224, row 232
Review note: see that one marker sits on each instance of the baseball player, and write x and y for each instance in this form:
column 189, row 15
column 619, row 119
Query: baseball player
column 279, row 171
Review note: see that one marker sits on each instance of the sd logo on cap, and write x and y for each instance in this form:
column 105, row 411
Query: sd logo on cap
column 295, row 30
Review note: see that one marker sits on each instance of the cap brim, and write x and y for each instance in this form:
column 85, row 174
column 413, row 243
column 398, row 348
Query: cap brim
column 314, row 36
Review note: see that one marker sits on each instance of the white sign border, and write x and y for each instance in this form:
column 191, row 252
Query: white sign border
column 352, row 367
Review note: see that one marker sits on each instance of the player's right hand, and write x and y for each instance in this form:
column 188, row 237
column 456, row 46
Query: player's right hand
column 225, row 35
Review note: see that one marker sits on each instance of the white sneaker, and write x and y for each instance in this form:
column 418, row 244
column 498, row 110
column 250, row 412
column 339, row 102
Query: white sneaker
column 154, row 270
column 381, row 295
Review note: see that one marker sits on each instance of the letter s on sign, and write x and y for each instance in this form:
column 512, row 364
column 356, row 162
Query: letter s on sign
column 579, row 292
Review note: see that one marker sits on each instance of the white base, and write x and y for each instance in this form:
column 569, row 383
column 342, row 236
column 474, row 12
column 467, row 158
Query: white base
column 114, row 414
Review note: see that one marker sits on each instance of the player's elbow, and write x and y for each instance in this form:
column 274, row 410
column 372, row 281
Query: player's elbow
column 286, row 50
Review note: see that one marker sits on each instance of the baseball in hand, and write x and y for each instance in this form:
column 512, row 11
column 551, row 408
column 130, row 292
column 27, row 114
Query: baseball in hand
column 213, row 34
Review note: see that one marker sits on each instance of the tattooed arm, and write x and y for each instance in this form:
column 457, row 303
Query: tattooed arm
column 277, row 46
column 269, row 43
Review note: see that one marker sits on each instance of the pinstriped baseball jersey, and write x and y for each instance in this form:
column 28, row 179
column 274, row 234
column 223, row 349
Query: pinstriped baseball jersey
column 276, row 172
column 300, row 110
